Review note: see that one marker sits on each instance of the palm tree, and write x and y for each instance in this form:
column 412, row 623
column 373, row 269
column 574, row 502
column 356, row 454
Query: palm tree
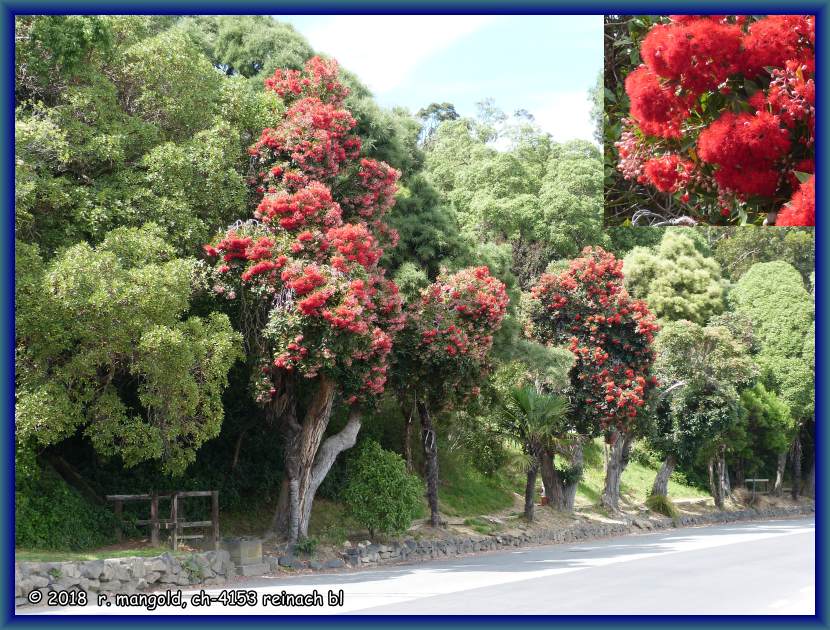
column 533, row 420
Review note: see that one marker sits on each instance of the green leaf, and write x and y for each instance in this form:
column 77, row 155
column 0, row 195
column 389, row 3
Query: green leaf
column 802, row 177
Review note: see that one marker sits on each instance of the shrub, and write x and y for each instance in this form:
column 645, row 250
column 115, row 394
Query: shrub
column 380, row 494
column 48, row 514
column 306, row 546
column 662, row 505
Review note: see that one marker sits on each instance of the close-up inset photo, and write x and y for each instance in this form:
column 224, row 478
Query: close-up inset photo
column 709, row 120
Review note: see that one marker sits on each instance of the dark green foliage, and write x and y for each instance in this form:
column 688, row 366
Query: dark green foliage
column 48, row 514
column 380, row 495
column 738, row 248
column 307, row 546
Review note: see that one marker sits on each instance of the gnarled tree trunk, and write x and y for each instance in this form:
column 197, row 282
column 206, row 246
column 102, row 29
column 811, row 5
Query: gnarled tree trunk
column 778, row 486
column 618, row 456
column 661, row 481
column 308, row 460
column 577, row 460
column 552, row 481
column 429, row 441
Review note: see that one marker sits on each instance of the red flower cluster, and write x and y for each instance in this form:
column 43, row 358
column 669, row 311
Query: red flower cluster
column 698, row 54
column 354, row 243
column 610, row 334
column 330, row 306
column 668, row 173
column 454, row 323
column 312, row 204
column 801, row 209
column 656, row 107
column 319, row 79
column 698, row 72
column 376, row 185
column 746, row 148
column 314, row 135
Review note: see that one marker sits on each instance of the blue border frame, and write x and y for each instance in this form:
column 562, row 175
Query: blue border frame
column 8, row 9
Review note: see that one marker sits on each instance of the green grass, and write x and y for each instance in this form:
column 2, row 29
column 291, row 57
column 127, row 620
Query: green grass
column 24, row 555
column 481, row 526
column 464, row 491
column 662, row 505
column 636, row 483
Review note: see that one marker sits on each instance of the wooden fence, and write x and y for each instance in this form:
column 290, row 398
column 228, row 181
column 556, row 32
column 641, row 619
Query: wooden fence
column 173, row 523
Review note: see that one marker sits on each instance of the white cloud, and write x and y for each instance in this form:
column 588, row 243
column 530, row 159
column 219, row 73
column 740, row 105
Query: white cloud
column 384, row 49
column 565, row 115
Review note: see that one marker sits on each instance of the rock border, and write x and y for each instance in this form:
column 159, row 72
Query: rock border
column 214, row 568
column 368, row 554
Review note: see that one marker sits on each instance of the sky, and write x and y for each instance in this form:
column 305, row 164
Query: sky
column 543, row 63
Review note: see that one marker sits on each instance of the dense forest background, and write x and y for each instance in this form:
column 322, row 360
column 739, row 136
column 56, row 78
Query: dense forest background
column 132, row 137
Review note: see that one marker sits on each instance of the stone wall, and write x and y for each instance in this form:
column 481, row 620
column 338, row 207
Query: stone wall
column 122, row 575
column 213, row 568
column 368, row 554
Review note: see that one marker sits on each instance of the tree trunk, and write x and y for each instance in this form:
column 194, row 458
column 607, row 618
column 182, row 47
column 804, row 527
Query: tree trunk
column 661, row 481
column 577, row 460
column 237, row 449
column 301, row 450
column 429, row 441
column 618, row 457
column 530, row 491
column 552, row 481
column 796, row 490
column 720, row 483
column 778, row 487
column 407, row 438
column 326, row 456
column 727, row 483
column 714, row 487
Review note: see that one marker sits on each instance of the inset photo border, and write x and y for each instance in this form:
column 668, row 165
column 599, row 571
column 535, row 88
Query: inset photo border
column 710, row 120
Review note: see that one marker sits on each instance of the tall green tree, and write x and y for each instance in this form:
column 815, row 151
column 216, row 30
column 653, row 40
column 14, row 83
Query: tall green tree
column 676, row 278
column 773, row 296
column 104, row 346
column 701, row 369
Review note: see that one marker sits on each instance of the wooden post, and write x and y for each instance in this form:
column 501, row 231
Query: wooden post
column 174, row 521
column 119, row 509
column 215, row 517
column 154, row 520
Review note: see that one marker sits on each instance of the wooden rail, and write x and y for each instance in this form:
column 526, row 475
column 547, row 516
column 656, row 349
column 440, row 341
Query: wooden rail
column 173, row 523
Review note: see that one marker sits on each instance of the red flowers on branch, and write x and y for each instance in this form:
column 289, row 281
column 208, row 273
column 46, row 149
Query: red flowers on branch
column 723, row 113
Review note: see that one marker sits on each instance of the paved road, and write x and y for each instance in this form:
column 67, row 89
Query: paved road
column 764, row 567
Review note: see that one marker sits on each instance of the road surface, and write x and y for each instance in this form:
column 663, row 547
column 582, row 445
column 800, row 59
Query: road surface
column 765, row 567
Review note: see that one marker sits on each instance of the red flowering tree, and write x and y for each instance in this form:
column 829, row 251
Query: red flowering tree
column 587, row 308
column 722, row 117
column 442, row 354
column 317, row 311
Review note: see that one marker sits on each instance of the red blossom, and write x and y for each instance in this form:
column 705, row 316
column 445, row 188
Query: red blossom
column 801, row 209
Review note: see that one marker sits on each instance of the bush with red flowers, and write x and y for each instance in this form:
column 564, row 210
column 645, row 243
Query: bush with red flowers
column 587, row 308
column 722, row 116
